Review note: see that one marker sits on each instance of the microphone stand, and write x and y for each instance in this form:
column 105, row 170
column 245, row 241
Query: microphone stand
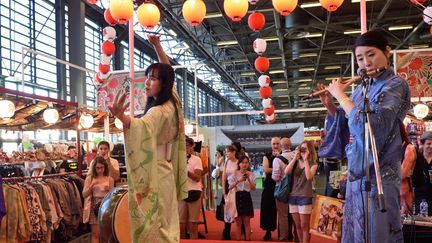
column 369, row 136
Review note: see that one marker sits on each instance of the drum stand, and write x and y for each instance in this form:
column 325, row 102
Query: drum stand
column 369, row 136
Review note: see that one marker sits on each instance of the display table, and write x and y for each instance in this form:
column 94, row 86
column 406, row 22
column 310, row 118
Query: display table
column 417, row 229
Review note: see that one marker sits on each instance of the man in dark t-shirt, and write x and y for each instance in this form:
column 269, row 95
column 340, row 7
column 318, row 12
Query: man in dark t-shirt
column 69, row 163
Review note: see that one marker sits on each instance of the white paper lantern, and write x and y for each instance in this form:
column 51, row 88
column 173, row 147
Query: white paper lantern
column 7, row 109
column 109, row 33
column 260, row 46
column 267, row 103
column 118, row 124
column 264, row 81
column 189, row 128
column 427, row 15
column 253, row 2
column 86, row 121
column 105, row 60
column 421, row 111
column 51, row 115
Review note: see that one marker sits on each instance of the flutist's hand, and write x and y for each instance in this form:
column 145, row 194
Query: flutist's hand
column 327, row 99
column 337, row 88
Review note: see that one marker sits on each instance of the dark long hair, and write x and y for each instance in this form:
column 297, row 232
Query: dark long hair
column 99, row 160
column 166, row 78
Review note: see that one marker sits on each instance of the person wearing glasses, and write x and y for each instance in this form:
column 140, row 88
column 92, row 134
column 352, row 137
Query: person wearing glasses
column 303, row 168
column 155, row 155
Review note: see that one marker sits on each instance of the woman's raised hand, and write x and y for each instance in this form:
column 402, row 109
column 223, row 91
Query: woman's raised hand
column 154, row 39
column 118, row 107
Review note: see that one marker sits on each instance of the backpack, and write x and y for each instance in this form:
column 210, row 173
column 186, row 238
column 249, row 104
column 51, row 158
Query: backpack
column 282, row 190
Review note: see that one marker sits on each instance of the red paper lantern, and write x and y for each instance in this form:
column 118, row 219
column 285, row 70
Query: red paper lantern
column 109, row 18
column 121, row 10
column 265, row 92
column 148, row 15
column 331, row 5
column 108, row 48
column 418, row 2
column 194, row 11
column 104, row 68
column 98, row 79
column 262, row 64
column 269, row 111
column 285, row 7
column 92, row 1
column 270, row 119
column 236, row 9
column 256, row 21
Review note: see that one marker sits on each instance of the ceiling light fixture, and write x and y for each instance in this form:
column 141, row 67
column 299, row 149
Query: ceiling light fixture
column 311, row 35
column 213, row 15
column 246, row 74
column 306, row 69
column 271, row 38
column 343, row 52
column 275, row 58
column 281, row 90
column 227, row 43
column 400, row 27
column 332, row 67
column 277, row 71
column 310, row 5
column 7, row 109
column 279, row 82
column 50, row 115
column 305, row 80
column 352, row 31
column 308, row 55
column 421, row 111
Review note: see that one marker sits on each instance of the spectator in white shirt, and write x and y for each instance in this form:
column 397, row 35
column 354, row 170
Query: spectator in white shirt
column 189, row 209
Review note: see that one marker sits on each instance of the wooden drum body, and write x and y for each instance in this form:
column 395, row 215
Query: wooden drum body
column 113, row 217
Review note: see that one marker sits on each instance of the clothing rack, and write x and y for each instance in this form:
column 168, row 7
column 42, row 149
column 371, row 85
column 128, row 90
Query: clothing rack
column 21, row 178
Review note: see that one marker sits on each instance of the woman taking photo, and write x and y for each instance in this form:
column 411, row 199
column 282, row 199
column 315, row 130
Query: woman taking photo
column 303, row 168
column 389, row 98
column 243, row 181
column 97, row 184
column 156, row 155
column 230, row 167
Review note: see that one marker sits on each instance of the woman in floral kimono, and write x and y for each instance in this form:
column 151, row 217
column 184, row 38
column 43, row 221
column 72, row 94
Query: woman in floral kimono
column 155, row 155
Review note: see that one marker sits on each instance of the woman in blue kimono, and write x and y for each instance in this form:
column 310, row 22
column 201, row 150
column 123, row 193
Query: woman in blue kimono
column 389, row 101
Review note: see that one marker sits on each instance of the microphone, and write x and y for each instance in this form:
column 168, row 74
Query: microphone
column 362, row 72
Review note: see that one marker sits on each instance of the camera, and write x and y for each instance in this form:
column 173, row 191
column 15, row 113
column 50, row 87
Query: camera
column 245, row 175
